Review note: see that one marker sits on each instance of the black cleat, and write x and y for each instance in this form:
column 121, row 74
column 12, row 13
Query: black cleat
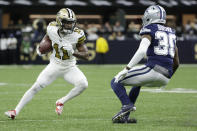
column 125, row 121
column 123, row 112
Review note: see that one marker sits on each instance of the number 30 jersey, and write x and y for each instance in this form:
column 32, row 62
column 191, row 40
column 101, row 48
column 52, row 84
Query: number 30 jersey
column 162, row 48
column 60, row 55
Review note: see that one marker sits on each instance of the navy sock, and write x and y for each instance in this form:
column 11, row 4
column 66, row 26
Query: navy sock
column 133, row 94
column 121, row 93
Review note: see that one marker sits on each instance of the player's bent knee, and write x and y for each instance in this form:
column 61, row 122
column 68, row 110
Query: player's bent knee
column 112, row 81
column 37, row 87
column 83, row 84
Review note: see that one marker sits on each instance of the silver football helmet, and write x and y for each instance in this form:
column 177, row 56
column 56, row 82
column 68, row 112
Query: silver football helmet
column 154, row 14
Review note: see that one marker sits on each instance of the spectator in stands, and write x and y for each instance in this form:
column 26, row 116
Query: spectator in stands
column 39, row 32
column 106, row 28
column 118, row 27
column 25, row 48
column 3, row 49
column 20, row 24
column 101, row 49
column 11, row 24
column 120, row 36
column 187, row 27
column 92, row 32
column 120, row 16
column 191, row 30
column 133, row 29
column 12, row 49
column 112, row 36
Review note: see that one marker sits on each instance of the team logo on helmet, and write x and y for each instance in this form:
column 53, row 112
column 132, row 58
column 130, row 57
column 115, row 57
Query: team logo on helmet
column 154, row 14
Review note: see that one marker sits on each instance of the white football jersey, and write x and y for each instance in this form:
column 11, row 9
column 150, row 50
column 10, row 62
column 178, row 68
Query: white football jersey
column 59, row 55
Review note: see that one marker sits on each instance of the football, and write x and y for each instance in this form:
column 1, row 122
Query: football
column 45, row 45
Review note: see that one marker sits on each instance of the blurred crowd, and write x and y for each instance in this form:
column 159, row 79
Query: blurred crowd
column 131, row 31
column 22, row 38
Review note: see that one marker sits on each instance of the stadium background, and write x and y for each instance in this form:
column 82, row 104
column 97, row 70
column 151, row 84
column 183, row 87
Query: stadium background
column 23, row 24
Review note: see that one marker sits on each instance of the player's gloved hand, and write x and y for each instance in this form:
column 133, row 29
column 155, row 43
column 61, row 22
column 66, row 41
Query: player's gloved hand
column 38, row 51
column 121, row 75
column 69, row 49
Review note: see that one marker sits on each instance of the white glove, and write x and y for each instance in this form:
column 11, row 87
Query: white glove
column 69, row 49
column 38, row 51
column 121, row 75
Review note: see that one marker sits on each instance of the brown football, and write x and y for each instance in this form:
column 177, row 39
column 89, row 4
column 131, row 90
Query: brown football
column 45, row 45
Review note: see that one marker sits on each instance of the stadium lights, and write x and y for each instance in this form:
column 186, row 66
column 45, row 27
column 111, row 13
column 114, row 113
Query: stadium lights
column 75, row 2
column 188, row 3
column 124, row 2
column 101, row 2
column 147, row 2
column 23, row 2
column 47, row 2
column 4, row 2
column 169, row 3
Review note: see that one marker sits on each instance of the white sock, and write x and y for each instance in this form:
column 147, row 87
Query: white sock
column 74, row 92
column 29, row 94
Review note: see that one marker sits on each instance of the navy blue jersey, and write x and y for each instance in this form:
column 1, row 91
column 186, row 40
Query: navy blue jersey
column 162, row 48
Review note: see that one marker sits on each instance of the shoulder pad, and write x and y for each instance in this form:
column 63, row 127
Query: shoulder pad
column 79, row 31
column 53, row 23
column 147, row 29
column 81, row 35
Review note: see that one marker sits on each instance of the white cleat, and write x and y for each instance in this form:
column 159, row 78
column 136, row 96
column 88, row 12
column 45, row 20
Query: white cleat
column 59, row 108
column 11, row 114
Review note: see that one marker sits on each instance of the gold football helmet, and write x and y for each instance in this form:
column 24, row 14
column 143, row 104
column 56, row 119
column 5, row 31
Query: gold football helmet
column 66, row 20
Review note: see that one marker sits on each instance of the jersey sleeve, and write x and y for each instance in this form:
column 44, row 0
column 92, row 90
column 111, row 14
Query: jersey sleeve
column 149, row 30
column 81, row 36
column 145, row 30
column 51, row 28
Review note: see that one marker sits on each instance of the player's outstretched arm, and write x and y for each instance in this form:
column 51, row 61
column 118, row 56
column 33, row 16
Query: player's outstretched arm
column 82, row 52
column 140, row 53
column 175, row 60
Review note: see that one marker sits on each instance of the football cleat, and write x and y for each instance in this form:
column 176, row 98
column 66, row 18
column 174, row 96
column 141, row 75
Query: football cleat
column 125, row 121
column 11, row 114
column 123, row 112
column 59, row 108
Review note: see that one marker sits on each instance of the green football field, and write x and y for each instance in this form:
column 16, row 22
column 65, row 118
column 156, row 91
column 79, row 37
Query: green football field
column 171, row 109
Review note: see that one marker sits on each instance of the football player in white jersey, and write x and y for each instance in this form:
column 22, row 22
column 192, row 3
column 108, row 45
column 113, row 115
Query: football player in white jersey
column 67, row 43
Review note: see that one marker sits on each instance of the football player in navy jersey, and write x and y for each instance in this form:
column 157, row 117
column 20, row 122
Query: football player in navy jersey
column 159, row 45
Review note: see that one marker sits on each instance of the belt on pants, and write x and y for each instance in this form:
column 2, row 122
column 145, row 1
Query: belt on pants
column 162, row 70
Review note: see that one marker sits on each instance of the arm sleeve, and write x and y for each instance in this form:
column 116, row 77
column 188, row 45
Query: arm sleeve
column 140, row 53
column 82, row 36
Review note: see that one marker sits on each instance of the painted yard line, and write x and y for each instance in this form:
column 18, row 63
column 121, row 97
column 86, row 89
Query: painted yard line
column 76, row 119
column 176, row 90
column 160, row 90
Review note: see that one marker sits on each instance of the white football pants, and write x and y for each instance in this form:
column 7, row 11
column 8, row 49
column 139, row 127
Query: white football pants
column 144, row 76
column 71, row 74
